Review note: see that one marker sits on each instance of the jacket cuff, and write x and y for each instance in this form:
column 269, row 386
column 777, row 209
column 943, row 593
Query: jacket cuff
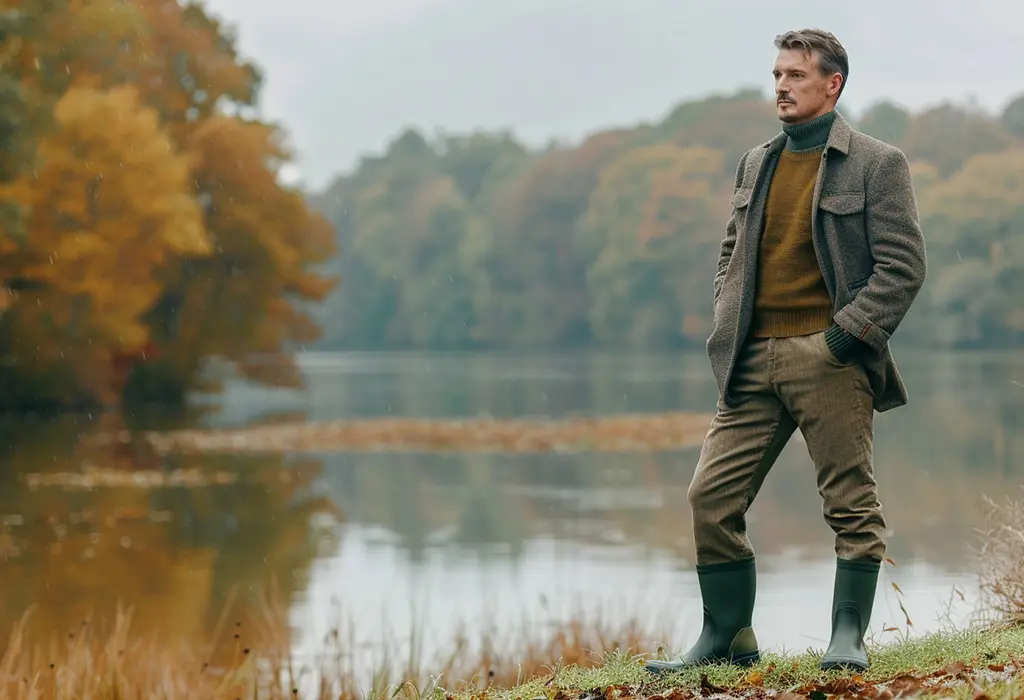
column 842, row 344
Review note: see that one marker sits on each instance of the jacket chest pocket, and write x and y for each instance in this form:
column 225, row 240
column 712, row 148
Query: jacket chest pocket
column 741, row 208
column 741, row 199
column 843, row 226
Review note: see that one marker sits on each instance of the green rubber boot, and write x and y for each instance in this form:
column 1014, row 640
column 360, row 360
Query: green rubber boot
column 852, row 600
column 728, row 592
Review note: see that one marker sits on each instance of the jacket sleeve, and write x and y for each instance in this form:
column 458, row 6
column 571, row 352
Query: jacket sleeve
column 897, row 245
column 729, row 242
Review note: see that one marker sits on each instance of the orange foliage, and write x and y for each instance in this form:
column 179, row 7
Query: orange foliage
column 109, row 204
column 155, row 224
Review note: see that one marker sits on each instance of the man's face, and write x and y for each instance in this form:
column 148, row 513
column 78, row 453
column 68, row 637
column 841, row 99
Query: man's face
column 802, row 93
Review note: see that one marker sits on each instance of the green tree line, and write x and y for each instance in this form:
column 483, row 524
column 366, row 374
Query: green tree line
column 476, row 241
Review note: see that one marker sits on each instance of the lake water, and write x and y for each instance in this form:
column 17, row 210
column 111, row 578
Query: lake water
column 385, row 544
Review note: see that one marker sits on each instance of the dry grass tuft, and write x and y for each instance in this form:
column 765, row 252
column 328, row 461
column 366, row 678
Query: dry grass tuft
column 1001, row 561
column 97, row 665
column 253, row 659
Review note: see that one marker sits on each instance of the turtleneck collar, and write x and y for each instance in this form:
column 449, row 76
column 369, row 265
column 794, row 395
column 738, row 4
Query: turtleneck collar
column 809, row 135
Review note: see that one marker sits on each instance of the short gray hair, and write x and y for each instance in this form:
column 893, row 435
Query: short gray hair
column 832, row 56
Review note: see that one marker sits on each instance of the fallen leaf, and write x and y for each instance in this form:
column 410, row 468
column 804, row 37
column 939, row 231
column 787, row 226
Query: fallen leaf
column 754, row 678
column 840, row 686
column 905, row 685
column 957, row 669
column 680, row 694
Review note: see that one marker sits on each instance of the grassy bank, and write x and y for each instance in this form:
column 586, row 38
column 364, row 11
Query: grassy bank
column 590, row 659
column 579, row 661
column 965, row 663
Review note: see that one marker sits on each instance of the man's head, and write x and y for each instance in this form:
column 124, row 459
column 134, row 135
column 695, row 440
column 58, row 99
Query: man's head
column 810, row 74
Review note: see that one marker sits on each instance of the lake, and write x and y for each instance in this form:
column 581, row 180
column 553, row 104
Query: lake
column 388, row 544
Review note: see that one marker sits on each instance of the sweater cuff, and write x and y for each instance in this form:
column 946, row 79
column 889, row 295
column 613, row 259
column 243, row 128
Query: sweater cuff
column 843, row 345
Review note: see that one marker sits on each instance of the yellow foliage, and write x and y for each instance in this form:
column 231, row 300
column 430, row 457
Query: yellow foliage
column 157, row 232
column 634, row 191
column 109, row 204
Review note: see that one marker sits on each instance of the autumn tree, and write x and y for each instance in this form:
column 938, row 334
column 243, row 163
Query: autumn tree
column 21, row 112
column 540, row 294
column 418, row 232
column 948, row 135
column 177, row 161
column 650, row 230
column 731, row 124
column 108, row 207
column 241, row 303
column 416, row 226
column 975, row 224
column 886, row 121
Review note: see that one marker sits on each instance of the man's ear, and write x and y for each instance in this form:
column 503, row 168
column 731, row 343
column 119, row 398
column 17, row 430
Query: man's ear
column 835, row 84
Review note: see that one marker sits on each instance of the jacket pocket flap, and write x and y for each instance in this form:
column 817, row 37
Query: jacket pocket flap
column 741, row 197
column 842, row 203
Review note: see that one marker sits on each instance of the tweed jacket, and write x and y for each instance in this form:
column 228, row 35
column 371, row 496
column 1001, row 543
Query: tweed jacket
column 867, row 237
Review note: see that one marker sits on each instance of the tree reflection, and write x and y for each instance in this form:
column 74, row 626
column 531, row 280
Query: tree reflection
column 173, row 553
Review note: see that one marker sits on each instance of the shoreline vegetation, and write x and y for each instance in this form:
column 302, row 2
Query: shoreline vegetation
column 628, row 432
column 252, row 654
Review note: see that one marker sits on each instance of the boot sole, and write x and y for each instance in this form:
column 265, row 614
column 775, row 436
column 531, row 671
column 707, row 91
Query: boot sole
column 845, row 664
column 746, row 660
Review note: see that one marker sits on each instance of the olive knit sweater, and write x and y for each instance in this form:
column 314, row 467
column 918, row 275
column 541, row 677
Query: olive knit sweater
column 791, row 297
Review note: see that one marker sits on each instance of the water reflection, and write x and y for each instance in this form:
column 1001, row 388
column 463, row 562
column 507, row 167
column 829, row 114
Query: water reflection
column 173, row 554
column 449, row 538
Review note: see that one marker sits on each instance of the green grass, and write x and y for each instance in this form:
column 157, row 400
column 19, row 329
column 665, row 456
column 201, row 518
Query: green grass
column 956, row 664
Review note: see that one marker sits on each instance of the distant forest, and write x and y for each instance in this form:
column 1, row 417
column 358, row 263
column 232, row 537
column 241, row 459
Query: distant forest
column 474, row 241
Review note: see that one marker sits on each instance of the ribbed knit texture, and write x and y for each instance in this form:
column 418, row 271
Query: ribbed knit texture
column 791, row 297
column 809, row 135
column 842, row 345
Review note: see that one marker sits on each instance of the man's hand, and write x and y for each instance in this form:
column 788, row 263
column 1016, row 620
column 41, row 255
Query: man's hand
column 841, row 344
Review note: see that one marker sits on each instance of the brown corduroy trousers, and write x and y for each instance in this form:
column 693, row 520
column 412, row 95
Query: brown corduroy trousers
column 789, row 383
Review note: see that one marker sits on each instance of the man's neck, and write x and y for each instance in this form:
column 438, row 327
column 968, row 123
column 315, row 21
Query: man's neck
column 809, row 135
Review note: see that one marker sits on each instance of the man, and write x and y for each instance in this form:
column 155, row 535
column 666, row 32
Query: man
column 821, row 260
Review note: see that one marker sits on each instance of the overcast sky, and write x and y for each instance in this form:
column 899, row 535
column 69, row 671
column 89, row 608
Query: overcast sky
column 344, row 76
